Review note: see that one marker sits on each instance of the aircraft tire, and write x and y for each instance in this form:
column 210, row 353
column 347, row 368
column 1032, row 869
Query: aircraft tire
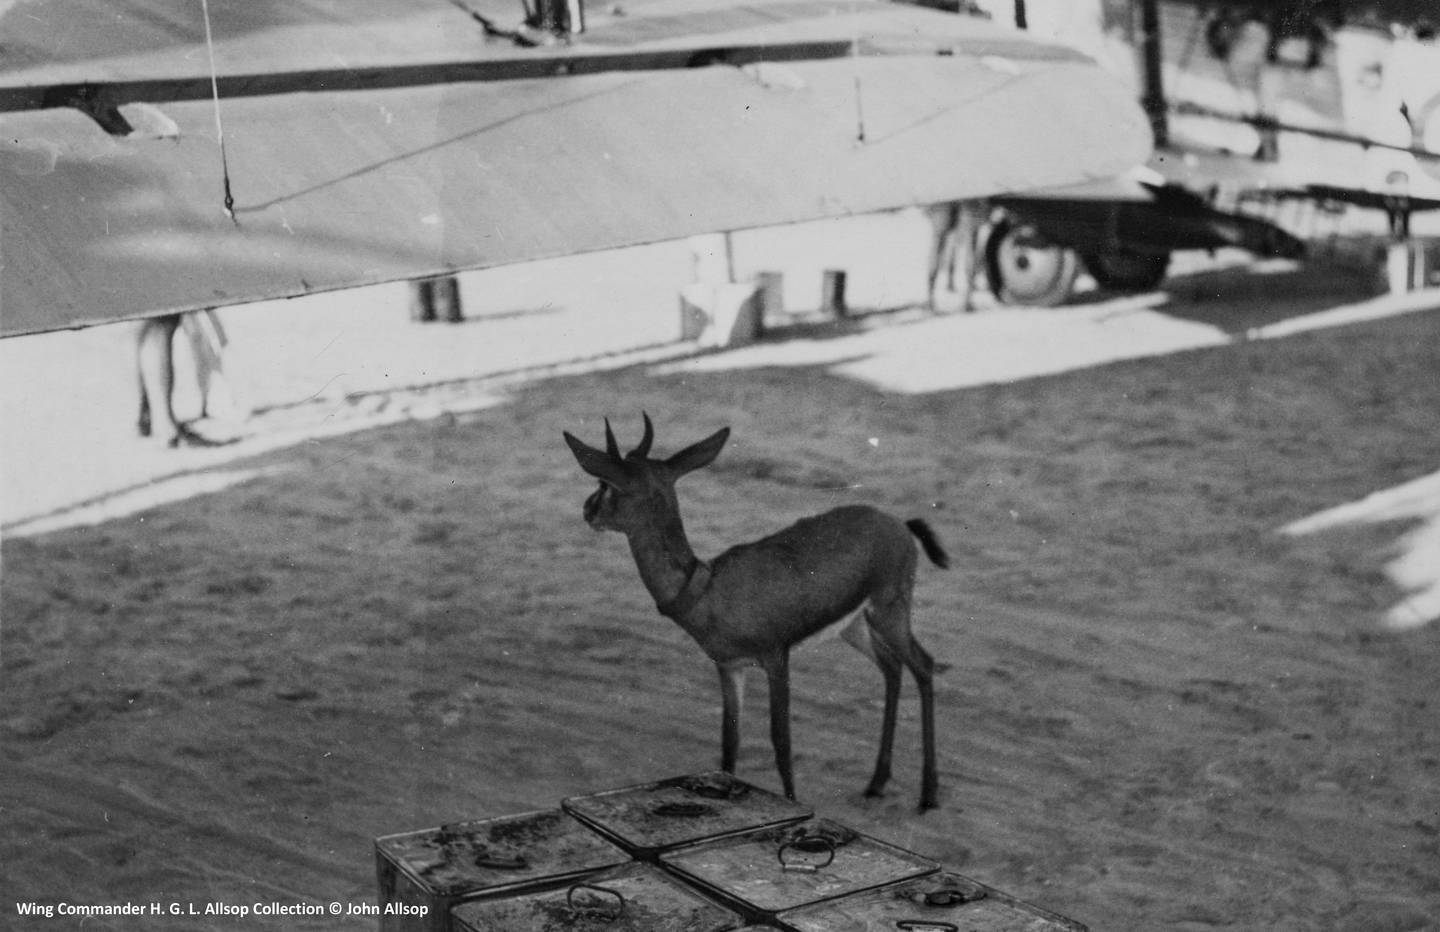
column 1025, row 268
column 1130, row 272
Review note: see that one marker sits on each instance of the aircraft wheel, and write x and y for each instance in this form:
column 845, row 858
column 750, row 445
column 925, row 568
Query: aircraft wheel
column 1026, row 268
column 1127, row 271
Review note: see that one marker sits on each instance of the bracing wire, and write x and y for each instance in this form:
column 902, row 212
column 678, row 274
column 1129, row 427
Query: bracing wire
column 855, row 59
column 219, row 126
column 859, row 112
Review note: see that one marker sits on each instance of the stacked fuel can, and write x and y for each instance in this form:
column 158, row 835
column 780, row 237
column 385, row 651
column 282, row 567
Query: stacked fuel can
column 697, row 853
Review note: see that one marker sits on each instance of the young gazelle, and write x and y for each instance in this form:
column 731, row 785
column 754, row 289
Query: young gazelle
column 753, row 602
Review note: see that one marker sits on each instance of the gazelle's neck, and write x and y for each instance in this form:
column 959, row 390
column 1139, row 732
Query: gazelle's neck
column 664, row 557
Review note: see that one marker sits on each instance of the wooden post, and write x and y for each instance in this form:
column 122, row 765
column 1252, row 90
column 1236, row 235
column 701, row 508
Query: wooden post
column 832, row 292
column 447, row 300
column 422, row 301
column 772, row 295
column 434, row 299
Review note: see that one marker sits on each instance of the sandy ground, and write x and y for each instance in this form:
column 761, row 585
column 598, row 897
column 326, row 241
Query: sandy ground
column 1175, row 699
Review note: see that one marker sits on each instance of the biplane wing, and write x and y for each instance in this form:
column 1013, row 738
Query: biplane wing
column 416, row 167
column 1362, row 197
column 1386, row 11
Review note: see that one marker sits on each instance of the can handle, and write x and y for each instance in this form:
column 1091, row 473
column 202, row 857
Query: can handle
column 603, row 911
column 811, row 844
column 952, row 896
column 500, row 860
column 714, row 786
column 682, row 810
column 921, row 925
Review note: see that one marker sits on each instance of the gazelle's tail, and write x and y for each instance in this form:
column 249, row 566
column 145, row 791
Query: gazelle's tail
column 929, row 542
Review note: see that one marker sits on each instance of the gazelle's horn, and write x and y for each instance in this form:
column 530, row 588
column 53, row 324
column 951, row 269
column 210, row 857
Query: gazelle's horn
column 611, row 446
column 643, row 450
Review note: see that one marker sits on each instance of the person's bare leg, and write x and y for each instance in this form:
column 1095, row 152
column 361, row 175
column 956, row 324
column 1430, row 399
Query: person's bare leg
column 155, row 357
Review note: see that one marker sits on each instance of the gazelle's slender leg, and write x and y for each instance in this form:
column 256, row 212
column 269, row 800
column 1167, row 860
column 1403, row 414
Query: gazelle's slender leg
column 891, row 669
column 732, row 698
column 922, row 665
column 864, row 635
column 777, row 668
column 858, row 635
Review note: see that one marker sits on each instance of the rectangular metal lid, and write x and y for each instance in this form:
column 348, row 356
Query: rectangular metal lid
column 652, row 817
column 495, row 855
column 938, row 901
column 633, row 898
column 790, row 866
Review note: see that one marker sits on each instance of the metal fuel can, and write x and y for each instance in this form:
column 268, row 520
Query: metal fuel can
column 654, row 817
column 634, row 898
column 762, row 873
column 942, row 902
column 439, row 867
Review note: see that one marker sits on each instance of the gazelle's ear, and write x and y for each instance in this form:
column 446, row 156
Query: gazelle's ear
column 597, row 463
column 698, row 454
